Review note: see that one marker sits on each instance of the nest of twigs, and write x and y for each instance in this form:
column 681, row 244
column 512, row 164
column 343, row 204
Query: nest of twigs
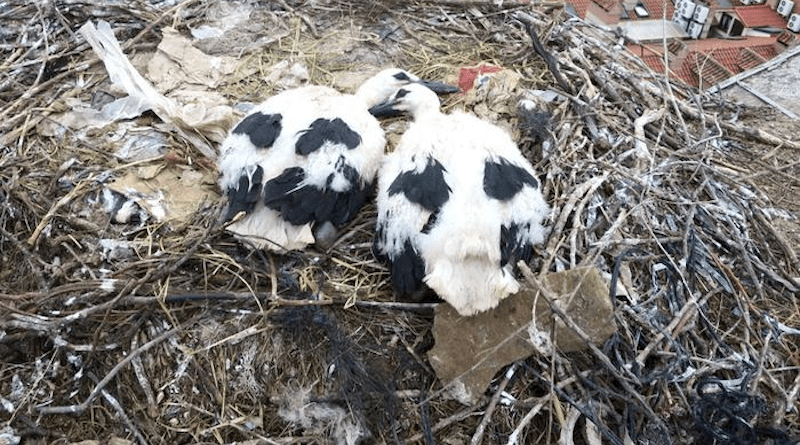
column 183, row 335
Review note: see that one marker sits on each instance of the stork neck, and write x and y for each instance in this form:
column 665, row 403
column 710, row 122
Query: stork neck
column 426, row 114
column 369, row 96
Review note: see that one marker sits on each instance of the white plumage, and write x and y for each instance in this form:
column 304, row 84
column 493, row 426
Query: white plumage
column 304, row 158
column 458, row 206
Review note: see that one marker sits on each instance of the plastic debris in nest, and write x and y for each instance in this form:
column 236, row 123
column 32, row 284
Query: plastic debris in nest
column 165, row 193
column 190, row 77
column 492, row 95
column 468, row 75
column 240, row 26
column 198, row 122
column 156, row 191
column 82, row 117
column 222, row 18
column 178, row 67
column 192, row 112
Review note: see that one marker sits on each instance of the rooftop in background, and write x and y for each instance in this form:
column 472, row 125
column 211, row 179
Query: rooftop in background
column 758, row 16
column 709, row 45
column 705, row 62
column 578, row 7
column 730, row 36
column 656, row 8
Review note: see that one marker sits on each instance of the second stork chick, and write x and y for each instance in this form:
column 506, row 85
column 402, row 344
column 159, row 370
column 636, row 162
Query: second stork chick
column 458, row 205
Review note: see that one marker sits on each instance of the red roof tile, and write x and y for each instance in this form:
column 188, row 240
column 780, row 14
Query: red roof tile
column 765, row 51
column 707, row 68
column 580, row 7
column 759, row 15
column 686, row 74
column 676, row 46
column 655, row 62
column 710, row 60
column 651, row 58
column 786, row 38
column 702, row 62
column 606, row 4
column 749, row 59
column 728, row 58
column 609, row 18
column 732, row 59
column 656, row 8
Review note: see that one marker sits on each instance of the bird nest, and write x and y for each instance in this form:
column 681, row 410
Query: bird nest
column 148, row 330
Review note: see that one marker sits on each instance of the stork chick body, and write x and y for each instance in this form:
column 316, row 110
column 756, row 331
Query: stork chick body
column 458, row 206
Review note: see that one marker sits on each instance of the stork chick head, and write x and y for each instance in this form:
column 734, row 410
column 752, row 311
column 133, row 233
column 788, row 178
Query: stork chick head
column 378, row 88
column 413, row 99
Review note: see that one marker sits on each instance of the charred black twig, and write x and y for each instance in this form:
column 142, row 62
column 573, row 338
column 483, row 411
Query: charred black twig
column 579, row 103
column 548, row 58
column 723, row 415
column 425, row 419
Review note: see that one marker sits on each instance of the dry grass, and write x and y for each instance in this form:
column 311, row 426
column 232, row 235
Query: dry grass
column 189, row 337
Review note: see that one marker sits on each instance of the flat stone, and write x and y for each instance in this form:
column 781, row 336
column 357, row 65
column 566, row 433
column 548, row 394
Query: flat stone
column 470, row 350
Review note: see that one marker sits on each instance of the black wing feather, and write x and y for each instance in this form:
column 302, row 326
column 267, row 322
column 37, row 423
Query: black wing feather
column 427, row 188
column 302, row 204
column 262, row 129
column 513, row 249
column 408, row 270
column 502, row 180
column 335, row 131
column 245, row 195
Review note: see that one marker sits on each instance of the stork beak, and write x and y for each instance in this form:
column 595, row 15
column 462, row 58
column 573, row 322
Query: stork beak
column 386, row 109
column 439, row 87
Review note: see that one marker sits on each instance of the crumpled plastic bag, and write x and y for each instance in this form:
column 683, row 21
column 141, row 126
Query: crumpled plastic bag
column 198, row 124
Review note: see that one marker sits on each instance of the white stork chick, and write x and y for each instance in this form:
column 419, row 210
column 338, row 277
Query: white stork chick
column 458, row 206
column 305, row 159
